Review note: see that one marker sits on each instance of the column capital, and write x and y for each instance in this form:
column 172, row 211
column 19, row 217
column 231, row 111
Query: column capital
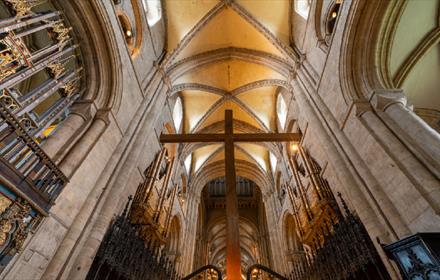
column 103, row 115
column 361, row 106
column 383, row 98
column 82, row 108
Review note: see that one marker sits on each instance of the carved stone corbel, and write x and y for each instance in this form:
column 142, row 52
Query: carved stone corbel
column 84, row 109
column 103, row 115
column 361, row 107
column 383, row 99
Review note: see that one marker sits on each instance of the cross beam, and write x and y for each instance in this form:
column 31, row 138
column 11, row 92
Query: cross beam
column 233, row 256
column 236, row 137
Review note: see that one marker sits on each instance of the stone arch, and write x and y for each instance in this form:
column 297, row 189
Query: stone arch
column 290, row 235
column 366, row 77
column 363, row 46
column 99, row 52
column 244, row 169
column 102, row 79
column 174, row 239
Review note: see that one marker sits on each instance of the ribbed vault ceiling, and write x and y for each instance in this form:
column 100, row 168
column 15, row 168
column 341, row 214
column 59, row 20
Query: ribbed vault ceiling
column 228, row 55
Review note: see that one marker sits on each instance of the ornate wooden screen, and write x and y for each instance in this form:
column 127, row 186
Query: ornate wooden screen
column 123, row 254
column 134, row 245
column 335, row 243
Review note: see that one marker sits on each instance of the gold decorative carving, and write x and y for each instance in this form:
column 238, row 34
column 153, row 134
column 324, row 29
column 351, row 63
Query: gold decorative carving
column 61, row 32
column 69, row 88
column 27, row 123
column 8, row 101
column 14, row 218
column 23, row 7
column 4, row 203
column 13, row 55
column 56, row 69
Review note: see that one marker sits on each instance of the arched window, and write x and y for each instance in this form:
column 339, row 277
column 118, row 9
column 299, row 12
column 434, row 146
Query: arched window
column 127, row 29
column 332, row 17
column 153, row 9
column 302, row 7
column 281, row 110
column 187, row 163
column 177, row 114
column 273, row 162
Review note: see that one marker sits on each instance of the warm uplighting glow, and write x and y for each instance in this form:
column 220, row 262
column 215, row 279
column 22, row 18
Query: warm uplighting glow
column 294, row 147
column 334, row 14
column 129, row 33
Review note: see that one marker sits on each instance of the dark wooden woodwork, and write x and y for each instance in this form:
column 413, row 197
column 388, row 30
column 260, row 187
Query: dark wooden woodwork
column 124, row 255
column 237, row 137
column 233, row 254
column 30, row 173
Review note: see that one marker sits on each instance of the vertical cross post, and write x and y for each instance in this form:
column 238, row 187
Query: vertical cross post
column 233, row 256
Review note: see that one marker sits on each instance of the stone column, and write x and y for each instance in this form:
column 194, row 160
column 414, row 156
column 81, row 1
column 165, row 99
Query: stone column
column 363, row 189
column 62, row 262
column 191, row 233
column 79, row 152
column 419, row 137
column 276, row 249
column 114, row 193
column 79, row 115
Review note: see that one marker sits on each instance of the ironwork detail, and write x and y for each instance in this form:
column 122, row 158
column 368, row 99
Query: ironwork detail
column 13, row 55
column 23, row 7
column 254, row 272
column 34, row 173
column 124, row 255
column 61, row 32
column 56, row 69
column 211, row 272
column 342, row 250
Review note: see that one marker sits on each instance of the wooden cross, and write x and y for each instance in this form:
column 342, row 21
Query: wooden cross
column 233, row 257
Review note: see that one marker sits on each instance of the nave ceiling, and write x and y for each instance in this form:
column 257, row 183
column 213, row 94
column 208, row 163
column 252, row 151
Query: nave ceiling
column 229, row 55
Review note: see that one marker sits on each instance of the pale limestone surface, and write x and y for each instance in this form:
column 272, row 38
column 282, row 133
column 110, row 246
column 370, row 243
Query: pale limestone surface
column 391, row 183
